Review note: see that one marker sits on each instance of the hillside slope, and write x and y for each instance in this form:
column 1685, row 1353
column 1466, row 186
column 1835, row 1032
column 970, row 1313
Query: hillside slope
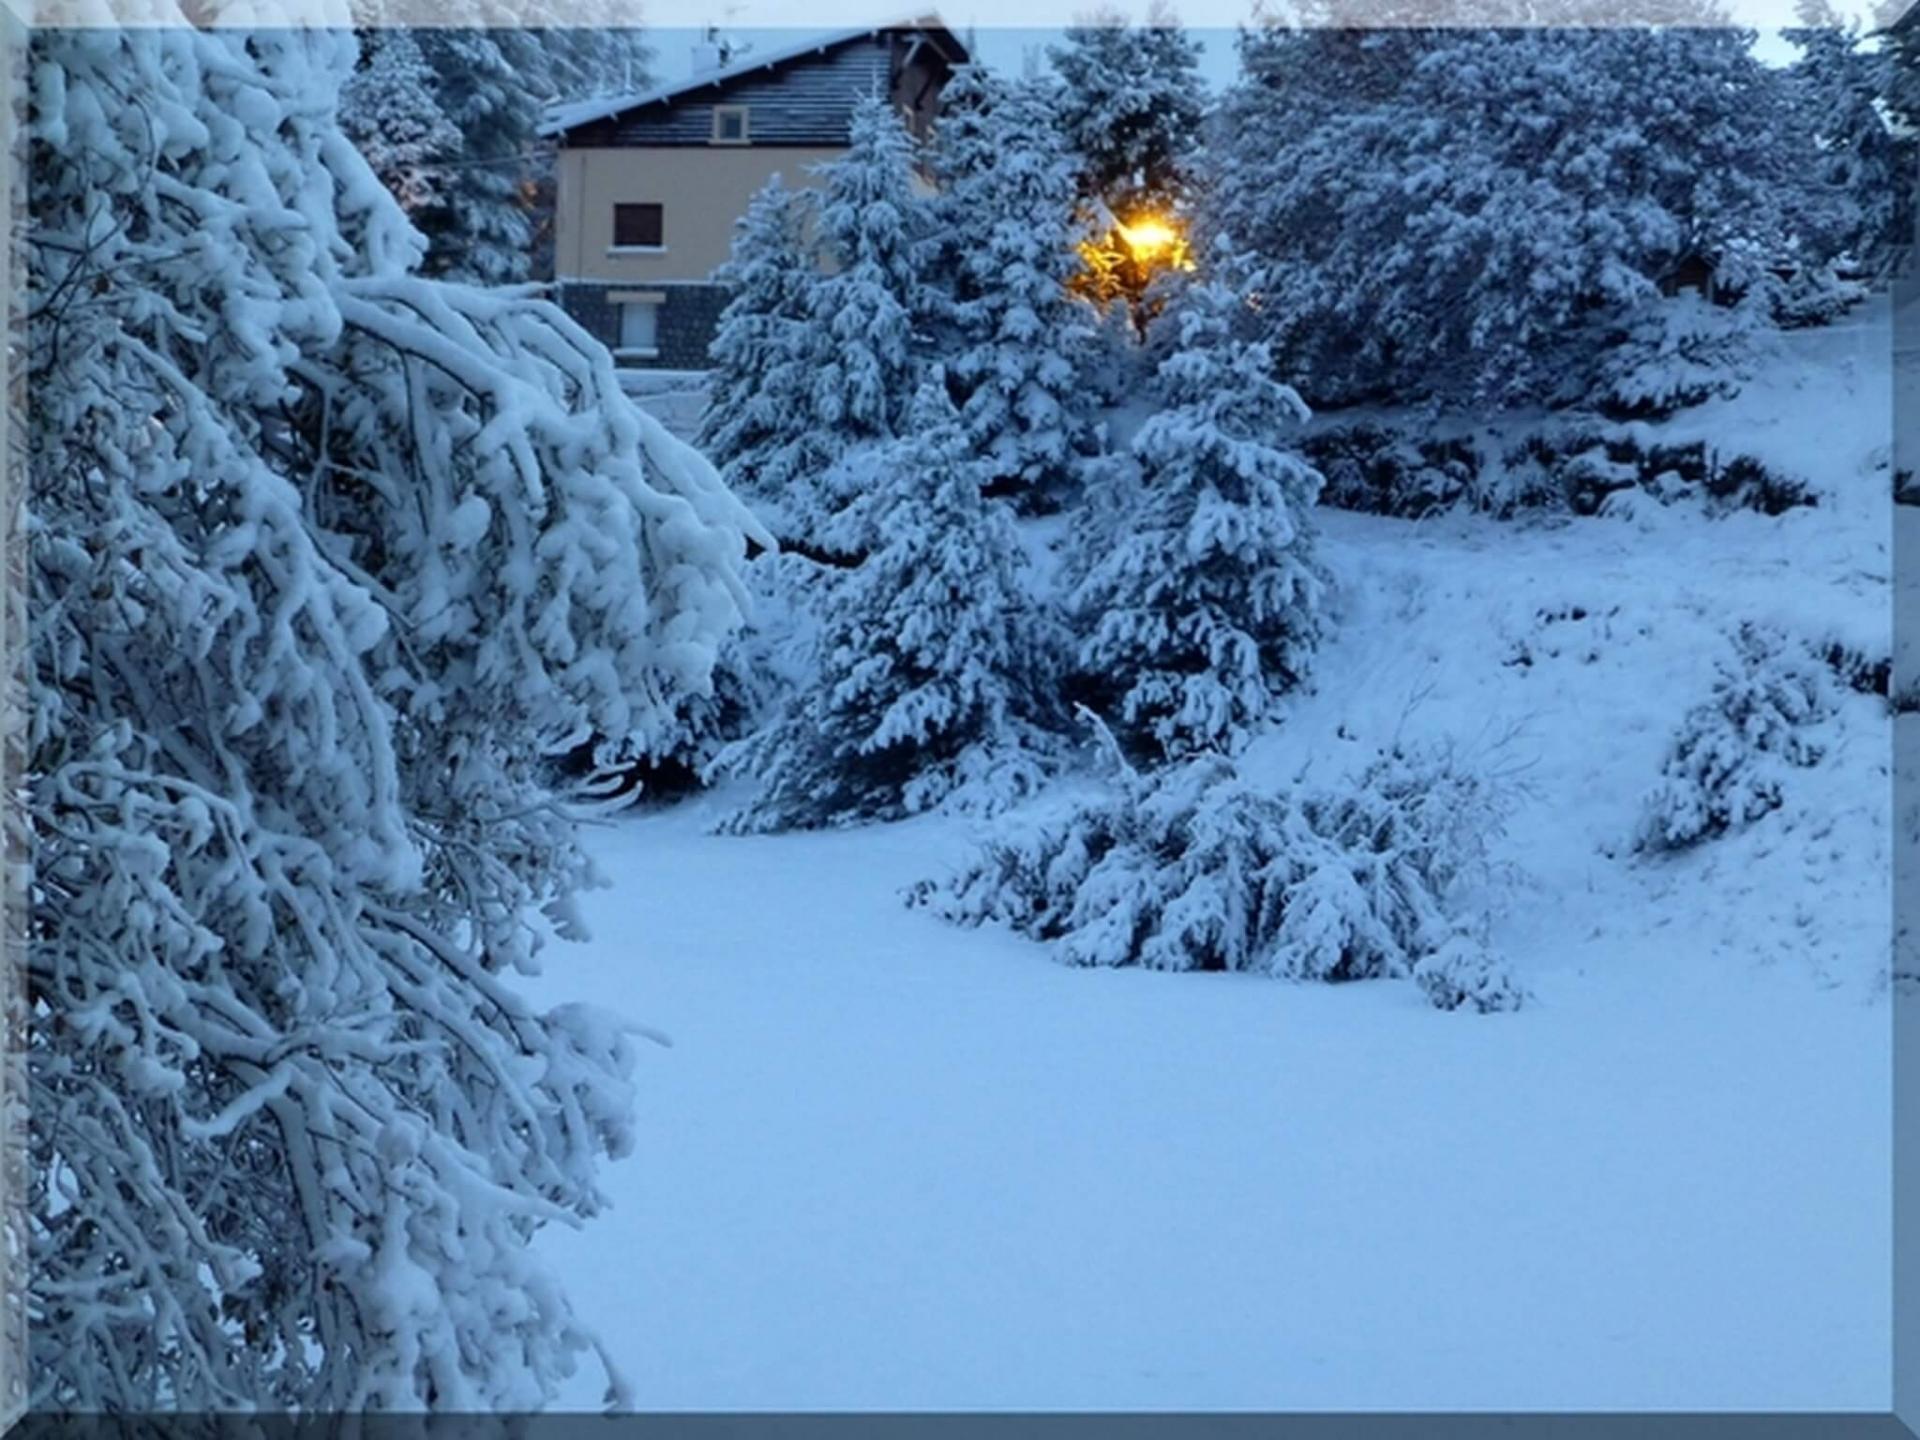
column 892, row 1164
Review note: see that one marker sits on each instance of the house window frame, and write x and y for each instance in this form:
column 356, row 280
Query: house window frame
column 659, row 247
column 745, row 137
column 625, row 300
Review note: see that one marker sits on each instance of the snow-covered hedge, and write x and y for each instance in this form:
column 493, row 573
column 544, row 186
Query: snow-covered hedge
column 1730, row 760
column 1571, row 467
column 1194, row 869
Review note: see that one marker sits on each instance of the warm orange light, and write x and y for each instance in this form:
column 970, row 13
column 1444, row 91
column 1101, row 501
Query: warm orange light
column 1121, row 263
column 1149, row 237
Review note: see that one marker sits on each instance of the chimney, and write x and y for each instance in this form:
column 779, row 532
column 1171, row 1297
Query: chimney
column 710, row 53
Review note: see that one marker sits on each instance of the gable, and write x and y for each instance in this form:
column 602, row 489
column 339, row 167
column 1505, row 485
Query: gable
column 804, row 103
column 802, row 96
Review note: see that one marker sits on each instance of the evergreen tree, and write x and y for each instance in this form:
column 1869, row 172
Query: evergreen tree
column 1200, row 601
column 390, row 110
column 1499, row 203
column 462, row 105
column 1131, row 107
column 482, row 228
column 325, row 559
column 859, row 341
column 1014, row 330
column 1859, row 184
column 929, row 655
column 759, row 393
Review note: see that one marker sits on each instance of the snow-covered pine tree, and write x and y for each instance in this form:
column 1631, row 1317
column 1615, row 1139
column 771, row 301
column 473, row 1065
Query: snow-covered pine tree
column 758, row 425
column 859, row 340
column 1200, row 600
column 929, row 658
column 1014, row 331
column 390, row 109
column 324, row 560
column 1859, row 188
column 1131, row 107
column 964, row 138
column 485, row 200
column 593, row 54
column 1486, row 217
column 482, row 228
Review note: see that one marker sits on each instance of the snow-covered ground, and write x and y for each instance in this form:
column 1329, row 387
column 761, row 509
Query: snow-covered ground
column 892, row 1164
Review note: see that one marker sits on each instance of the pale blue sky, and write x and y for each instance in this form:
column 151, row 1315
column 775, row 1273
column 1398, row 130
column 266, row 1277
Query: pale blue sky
column 1002, row 47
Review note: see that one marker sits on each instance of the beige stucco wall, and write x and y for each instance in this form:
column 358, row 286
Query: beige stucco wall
column 703, row 189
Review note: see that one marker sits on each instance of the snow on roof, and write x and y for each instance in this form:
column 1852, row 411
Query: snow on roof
column 572, row 115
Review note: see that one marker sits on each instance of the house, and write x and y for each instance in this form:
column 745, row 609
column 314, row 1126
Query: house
column 648, row 186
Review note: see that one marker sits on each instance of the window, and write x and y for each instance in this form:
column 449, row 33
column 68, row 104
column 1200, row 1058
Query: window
column 640, row 327
column 729, row 124
column 638, row 227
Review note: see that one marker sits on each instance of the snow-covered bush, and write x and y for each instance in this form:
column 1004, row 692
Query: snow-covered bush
column 1674, row 352
column 1384, row 472
column 1814, row 295
column 929, row 660
column 325, row 562
column 1200, row 596
column 1463, row 973
column 1729, row 762
column 1190, row 868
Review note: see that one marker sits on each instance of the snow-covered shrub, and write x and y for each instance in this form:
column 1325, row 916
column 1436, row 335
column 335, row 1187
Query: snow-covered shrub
column 1813, row 295
column 325, row 561
column 1578, row 466
column 1190, row 868
column 1199, row 596
column 929, row 660
column 1463, row 973
column 1674, row 352
column 1383, row 472
column 1746, row 483
column 1729, row 762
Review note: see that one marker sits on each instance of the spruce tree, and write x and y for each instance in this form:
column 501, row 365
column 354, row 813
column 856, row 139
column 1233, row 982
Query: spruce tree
column 1017, row 336
column 1200, row 596
column 929, row 659
column 1858, row 186
column 859, row 341
column 390, row 109
column 1131, row 107
column 1480, row 216
column 759, row 389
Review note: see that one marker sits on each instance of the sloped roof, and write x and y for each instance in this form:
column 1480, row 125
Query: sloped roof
column 571, row 115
